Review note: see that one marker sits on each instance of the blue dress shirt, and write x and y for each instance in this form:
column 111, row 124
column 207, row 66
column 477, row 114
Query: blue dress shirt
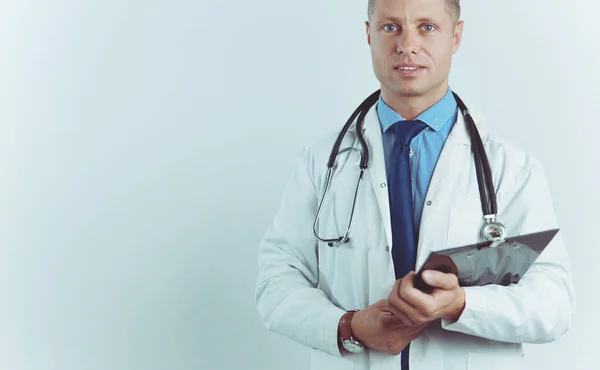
column 425, row 147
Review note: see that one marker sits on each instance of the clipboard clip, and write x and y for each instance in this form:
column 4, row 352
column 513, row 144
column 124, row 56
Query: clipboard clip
column 497, row 242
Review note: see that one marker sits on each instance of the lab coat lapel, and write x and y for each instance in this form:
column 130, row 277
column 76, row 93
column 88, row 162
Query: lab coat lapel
column 455, row 154
column 376, row 168
column 445, row 183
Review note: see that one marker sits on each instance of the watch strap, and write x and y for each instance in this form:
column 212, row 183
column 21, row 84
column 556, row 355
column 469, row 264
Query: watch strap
column 345, row 327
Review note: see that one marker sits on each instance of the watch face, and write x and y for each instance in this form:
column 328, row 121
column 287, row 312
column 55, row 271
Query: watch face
column 353, row 347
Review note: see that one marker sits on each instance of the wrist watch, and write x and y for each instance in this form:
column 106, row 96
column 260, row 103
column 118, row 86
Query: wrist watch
column 349, row 343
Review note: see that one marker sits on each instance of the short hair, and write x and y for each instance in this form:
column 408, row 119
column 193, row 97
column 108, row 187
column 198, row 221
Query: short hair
column 453, row 7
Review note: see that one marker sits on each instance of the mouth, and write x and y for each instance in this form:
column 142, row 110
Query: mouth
column 409, row 70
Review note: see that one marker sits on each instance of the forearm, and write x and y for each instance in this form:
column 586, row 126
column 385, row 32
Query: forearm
column 287, row 295
column 537, row 310
column 288, row 305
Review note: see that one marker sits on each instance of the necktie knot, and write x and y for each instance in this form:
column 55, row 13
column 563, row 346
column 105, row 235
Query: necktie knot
column 405, row 131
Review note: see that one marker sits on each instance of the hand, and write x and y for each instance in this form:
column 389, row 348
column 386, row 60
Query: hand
column 377, row 328
column 413, row 307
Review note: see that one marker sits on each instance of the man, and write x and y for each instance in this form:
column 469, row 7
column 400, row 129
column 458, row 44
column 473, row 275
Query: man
column 308, row 290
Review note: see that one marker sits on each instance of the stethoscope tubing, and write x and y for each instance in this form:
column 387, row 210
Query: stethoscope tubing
column 491, row 230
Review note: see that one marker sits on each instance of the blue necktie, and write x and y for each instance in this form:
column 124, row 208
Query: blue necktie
column 404, row 236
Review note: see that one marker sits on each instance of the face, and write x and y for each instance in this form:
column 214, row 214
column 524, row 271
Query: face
column 412, row 43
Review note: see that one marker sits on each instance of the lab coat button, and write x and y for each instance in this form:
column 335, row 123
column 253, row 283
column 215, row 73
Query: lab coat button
column 429, row 202
column 383, row 184
column 387, row 248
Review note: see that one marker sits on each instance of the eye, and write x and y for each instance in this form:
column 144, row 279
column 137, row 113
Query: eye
column 389, row 28
column 428, row 28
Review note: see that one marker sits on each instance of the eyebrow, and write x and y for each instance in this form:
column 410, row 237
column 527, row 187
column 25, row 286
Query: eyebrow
column 419, row 20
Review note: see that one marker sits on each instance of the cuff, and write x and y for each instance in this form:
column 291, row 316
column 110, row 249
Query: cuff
column 475, row 303
column 331, row 320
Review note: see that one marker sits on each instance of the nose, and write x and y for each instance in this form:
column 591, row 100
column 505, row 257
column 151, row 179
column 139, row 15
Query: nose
column 408, row 43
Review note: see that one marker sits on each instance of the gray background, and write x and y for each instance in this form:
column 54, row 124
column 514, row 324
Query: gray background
column 144, row 146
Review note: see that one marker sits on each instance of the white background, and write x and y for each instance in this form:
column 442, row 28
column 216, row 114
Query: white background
column 144, row 146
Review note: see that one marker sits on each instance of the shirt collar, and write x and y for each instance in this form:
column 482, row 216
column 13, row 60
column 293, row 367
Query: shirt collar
column 435, row 117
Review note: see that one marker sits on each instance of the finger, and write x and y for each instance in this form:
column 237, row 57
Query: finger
column 381, row 304
column 392, row 316
column 410, row 304
column 426, row 305
column 394, row 298
column 412, row 295
column 387, row 310
column 389, row 320
column 400, row 315
column 394, row 295
column 409, row 314
column 440, row 280
column 402, row 309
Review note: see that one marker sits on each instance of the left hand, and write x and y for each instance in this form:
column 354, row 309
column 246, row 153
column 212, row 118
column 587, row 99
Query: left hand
column 413, row 307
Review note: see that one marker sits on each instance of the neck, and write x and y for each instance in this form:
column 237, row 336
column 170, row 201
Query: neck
column 411, row 106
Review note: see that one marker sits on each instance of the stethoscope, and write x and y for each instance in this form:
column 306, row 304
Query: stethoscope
column 491, row 229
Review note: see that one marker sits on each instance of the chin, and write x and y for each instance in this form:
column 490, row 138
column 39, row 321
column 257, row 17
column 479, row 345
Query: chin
column 409, row 91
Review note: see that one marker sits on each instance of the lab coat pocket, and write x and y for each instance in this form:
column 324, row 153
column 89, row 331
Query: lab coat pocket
column 465, row 221
column 486, row 361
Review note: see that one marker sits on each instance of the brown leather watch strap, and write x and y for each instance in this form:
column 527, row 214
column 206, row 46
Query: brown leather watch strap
column 345, row 328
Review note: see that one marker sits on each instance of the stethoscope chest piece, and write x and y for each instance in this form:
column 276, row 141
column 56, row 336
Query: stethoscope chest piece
column 493, row 230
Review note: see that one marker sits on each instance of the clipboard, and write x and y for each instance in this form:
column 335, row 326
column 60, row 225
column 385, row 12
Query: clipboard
column 501, row 262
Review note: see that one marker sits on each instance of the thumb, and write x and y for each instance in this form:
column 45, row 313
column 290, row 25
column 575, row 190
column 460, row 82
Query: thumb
column 440, row 280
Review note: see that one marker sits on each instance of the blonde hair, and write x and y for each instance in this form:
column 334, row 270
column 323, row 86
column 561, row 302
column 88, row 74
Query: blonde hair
column 453, row 7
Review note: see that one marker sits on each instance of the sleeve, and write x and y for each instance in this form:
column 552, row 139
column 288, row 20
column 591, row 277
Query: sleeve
column 539, row 308
column 287, row 295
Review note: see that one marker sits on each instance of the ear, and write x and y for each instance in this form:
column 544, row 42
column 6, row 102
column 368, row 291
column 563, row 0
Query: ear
column 368, row 29
column 458, row 34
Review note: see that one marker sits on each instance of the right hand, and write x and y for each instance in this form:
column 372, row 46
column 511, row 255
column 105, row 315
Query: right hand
column 378, row 328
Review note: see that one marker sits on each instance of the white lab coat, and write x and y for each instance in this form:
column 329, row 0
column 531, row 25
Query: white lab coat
column 305, row 286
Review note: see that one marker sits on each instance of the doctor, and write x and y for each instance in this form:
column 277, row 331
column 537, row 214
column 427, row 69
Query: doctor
column 354, row 304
